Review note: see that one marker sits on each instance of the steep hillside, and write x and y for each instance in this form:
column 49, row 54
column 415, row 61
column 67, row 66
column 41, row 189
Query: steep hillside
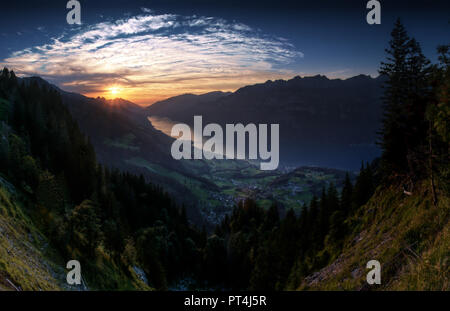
column 407, row 234
column 120, row 134
column 61, row 204
column 27, row 261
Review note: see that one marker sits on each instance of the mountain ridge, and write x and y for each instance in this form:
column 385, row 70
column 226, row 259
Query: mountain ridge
column 120, row 133
column 317, row 116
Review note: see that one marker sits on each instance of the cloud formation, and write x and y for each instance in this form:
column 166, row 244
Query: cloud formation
column 149, row 57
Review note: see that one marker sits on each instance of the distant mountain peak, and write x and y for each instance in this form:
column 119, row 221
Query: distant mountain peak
column 317, row 77
column 359, row 77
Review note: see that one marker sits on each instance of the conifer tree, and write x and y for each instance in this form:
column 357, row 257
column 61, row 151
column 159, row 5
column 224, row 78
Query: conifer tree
column 346, row 195
column 394, row 123
column 405, row 97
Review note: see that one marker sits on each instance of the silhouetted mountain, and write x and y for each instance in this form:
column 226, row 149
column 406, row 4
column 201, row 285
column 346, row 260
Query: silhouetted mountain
column 125, row 106
column 123, row 138
column 103, row 120
column 179, row 107
column 323, row 122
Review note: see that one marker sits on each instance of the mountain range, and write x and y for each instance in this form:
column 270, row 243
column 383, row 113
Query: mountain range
column 323, row 122
column 124, row 139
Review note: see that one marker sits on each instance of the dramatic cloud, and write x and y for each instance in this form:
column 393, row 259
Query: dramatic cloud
column 149, row 57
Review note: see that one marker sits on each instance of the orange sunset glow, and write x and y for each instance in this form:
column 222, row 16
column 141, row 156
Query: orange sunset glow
column 148, row 57
column 149, row 94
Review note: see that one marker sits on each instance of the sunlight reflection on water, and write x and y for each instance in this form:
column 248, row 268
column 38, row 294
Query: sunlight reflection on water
column 165, row 125
column 162, row 124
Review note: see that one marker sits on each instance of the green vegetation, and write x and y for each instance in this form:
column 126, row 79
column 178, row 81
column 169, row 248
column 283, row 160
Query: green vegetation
column 404, row 225
column 217, row 185
column 24, row 252
column 111, row 222
column 269, row 253
column 125, row 142
column 57, row 203
column 407, row 234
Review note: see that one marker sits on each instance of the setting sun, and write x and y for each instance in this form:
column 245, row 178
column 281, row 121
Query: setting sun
column 114, row 90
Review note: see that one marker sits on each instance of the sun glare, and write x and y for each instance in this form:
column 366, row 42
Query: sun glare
column 114, row 90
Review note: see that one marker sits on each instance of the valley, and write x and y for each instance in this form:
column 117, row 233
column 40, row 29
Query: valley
column 168, row 148
column 220, row 184
column 130, row 138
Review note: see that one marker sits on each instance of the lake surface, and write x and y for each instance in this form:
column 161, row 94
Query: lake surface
column 165, row 125
column 162, row 124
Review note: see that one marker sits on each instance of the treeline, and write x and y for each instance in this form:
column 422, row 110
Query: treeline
column 254, row 249
column 113, row 221
column 416, row 122
column 108, row 220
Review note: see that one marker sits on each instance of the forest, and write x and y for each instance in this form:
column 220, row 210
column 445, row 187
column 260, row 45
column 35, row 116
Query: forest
column 112, row 221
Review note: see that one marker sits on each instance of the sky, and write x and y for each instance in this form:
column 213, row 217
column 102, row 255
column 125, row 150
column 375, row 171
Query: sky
column 147, row 51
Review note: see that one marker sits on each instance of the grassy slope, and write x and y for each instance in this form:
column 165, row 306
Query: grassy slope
column 24, row 250
column 28, row 262
column 408, row 235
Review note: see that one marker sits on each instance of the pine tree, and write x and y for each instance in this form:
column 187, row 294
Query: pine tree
column 396, row 89
column 403, row 135
column 364, row 186
column 346, row 195
column 438, row 117
column 313, row 227
column 271, row 219
column 323, row 212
